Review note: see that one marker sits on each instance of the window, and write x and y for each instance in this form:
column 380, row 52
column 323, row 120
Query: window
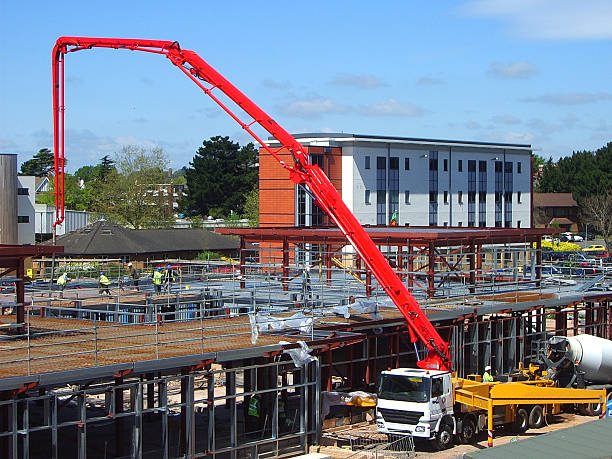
column 367, row 162
column 460, row 197
column 460, row 165
column 446, row 165
column 407, row 164
column 446, row 197
column 367, row 197
column 381, row 190
column 518, row 167
column 23, row 219
column 518, row 196
column 23, row 191
column 406, row 197
column 433, row 188
column 436, row 387
column 393, row 186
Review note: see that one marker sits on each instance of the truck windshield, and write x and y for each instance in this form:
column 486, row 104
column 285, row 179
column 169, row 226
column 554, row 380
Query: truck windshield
column 404, row 388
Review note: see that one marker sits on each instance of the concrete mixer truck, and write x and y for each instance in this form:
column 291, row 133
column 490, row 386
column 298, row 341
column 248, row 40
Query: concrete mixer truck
column 581, row 361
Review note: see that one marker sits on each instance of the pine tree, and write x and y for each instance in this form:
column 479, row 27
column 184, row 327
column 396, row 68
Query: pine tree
column 40, row 165
column 219, row 178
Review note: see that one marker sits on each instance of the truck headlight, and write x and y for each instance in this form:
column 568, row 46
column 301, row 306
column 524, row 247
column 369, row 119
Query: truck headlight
column 420, row 429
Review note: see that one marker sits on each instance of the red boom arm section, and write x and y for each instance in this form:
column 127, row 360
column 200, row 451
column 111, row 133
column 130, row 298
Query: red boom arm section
column 301, row 172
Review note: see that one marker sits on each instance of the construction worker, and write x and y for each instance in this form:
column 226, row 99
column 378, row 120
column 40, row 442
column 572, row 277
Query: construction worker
column 253, row 420
column 487, row 376
column 133, row 275
column 157, row 280
column 394, row 218
column 103, row 284
column 168, row 278
column 61, row 283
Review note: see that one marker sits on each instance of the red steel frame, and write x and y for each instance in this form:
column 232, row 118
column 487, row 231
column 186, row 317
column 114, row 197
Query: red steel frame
column 301, row 172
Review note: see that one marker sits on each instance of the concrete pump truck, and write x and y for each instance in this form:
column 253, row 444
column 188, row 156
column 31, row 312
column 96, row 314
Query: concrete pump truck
column 427, row 401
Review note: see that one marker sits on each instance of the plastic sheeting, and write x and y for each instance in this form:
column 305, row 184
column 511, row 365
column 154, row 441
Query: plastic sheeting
column 264, row 322
column 299, row 356
column 357, row 398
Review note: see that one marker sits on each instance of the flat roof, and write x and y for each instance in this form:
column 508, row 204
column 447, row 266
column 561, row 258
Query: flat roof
column 589, row 440
column 385, row 235
column 346, row 137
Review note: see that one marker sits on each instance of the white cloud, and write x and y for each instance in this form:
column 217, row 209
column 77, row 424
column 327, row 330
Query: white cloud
column 428, row 81
column 358, row 81
column 273, row 84
column 513, row 70
column 569, row 98
column 505, row 119
column 312, row 108
column 548, row 19
column 392, row 107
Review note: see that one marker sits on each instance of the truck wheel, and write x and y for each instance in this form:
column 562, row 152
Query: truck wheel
column 468, row 431
column 536, row 417
column 585, row 409
column 521, row 423
column 444, row 437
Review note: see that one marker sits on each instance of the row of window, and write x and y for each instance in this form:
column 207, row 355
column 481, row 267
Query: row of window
column 433, row 163
column 482, row 197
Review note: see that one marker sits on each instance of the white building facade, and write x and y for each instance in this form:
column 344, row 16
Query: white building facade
column 428, row 182
column 26, row 200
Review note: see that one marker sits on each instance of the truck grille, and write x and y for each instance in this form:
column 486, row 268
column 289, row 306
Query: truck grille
column 400, row 417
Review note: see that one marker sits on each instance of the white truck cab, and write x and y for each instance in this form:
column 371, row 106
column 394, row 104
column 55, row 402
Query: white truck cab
column 418, row 402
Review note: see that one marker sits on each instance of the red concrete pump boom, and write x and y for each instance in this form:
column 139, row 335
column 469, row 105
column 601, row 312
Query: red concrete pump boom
column 300, row 172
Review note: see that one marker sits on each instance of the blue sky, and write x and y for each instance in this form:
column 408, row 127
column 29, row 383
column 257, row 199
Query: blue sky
column 535, row 72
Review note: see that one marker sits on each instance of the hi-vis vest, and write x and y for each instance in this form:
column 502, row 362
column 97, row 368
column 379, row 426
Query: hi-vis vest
column 104, row 280
column 486, row 377
column 253, row 407
column 62, row 279
column 157, row 278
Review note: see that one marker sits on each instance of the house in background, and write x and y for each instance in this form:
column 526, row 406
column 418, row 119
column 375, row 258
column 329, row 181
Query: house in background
column 555, row 209
column 103, row 239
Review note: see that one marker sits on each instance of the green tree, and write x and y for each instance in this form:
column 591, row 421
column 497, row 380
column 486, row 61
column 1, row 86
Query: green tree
column 583, row 174
column 40, row 165
column 105, row 167
column 75, row 197
column 251, row 206
column 219, row 178
column 85, row 173
column 537, row 161
column 129, row 194
column 597, row 210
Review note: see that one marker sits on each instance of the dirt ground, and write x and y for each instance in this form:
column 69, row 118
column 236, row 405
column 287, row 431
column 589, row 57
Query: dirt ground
column 424, row 449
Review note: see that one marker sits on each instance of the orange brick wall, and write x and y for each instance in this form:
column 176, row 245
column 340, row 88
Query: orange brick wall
column 277, row 191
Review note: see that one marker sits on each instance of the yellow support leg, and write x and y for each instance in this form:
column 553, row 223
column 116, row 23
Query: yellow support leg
column 490, row 424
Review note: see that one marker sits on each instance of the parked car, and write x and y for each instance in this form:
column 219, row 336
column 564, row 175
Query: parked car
column 596, row 250
column 581, row 258
column 571, row 237
column 587, row 236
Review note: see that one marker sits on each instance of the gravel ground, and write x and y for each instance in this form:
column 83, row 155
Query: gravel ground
column 424, row 450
